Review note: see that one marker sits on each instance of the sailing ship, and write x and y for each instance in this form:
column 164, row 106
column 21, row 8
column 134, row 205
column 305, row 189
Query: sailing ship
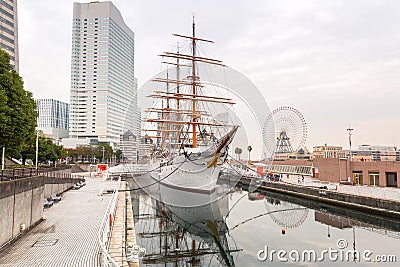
column 192, row 144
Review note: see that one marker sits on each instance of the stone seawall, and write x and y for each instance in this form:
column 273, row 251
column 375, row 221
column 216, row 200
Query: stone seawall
column 381, row 207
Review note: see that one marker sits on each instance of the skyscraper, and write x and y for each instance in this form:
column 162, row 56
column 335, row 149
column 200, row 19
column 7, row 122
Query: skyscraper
column 52, row 118
column 103, row 86
column 9, row 30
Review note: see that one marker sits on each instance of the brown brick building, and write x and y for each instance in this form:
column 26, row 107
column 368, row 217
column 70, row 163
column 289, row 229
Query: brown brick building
column 373, row 173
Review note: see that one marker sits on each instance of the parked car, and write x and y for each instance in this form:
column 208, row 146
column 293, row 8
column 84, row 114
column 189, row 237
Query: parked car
column 55, row 198
column 82, row 183
column 328, row 186
column 47, row 203
column 76, row 186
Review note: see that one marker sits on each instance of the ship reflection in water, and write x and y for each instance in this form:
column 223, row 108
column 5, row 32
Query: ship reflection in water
column 180, row 228
column 230, row 226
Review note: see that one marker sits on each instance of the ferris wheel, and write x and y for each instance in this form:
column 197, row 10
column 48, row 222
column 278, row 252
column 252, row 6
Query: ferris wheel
column 285, row 131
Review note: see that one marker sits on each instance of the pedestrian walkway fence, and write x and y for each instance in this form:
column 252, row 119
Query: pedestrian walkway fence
column 18, row 173
column 106, row 227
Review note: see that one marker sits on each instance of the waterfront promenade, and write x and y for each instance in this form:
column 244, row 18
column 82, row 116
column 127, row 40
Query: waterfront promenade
column 69, row 234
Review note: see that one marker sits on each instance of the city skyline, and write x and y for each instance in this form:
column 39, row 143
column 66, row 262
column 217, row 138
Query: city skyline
column 335, row 62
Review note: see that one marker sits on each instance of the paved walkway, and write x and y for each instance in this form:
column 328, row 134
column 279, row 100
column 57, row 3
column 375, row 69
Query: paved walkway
column 69, row 234
column 390, row 193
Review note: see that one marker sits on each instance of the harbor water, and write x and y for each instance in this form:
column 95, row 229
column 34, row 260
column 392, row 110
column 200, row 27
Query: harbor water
column 234, row 227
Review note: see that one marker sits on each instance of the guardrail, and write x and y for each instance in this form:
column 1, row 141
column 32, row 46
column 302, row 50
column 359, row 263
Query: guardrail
column 105, row 228
column 17, row 173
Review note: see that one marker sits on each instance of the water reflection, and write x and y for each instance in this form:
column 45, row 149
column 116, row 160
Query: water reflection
column 187, row 233
column 233, row 227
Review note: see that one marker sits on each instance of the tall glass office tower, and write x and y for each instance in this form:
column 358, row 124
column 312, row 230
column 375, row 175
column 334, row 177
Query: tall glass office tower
column 9, row 30
column 103, row 87
column 52, row 118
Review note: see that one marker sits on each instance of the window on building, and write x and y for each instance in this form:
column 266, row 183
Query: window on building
column 373, row 178
column 357, row 178
column 391, row 179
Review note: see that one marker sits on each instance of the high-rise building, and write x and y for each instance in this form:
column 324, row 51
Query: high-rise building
column 103, row 87
column 9, row 30
column 52, row 118
column 129, row 147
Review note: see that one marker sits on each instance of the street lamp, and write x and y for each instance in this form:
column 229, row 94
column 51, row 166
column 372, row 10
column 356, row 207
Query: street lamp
column 350, row 130
column 350, row 133
column 37, row 149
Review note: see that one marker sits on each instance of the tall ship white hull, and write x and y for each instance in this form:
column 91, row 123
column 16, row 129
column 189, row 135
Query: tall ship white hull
column 189, row 176
column 194, row 170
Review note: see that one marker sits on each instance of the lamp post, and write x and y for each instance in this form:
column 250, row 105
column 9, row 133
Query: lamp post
column 103, row 149
column 37, row 149
column 350, row 133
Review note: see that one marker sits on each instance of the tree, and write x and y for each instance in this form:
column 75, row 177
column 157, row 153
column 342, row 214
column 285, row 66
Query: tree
column 119, row 155
column 249, row 148
column 108, row 152
column 29, row 150
column 71, row 154
column 238, row 151
column 48, row 151
column 17, row 110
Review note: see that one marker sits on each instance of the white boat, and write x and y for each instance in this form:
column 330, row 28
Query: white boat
column 192, row 143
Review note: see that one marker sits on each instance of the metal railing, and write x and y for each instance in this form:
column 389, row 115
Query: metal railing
column 289, row 169
column 17, row 173
column 106, row 227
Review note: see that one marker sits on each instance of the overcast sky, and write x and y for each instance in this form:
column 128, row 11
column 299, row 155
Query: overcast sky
column 338, row 62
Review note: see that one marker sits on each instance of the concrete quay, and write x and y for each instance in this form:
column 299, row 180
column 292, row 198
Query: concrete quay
column 68, row 234
column 372, row 205
column 123, row 231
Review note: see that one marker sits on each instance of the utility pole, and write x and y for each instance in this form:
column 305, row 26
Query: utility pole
column 103, row 153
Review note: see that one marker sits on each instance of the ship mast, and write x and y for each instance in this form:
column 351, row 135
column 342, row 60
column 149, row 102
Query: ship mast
column 194, row 125
column 171, row 120
column 177, row 78
column 178, row 116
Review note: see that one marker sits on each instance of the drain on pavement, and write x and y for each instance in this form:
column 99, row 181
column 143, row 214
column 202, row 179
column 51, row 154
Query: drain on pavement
column 45, row 243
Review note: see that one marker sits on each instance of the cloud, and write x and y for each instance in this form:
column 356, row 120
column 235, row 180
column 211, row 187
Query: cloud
column 335, row 61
